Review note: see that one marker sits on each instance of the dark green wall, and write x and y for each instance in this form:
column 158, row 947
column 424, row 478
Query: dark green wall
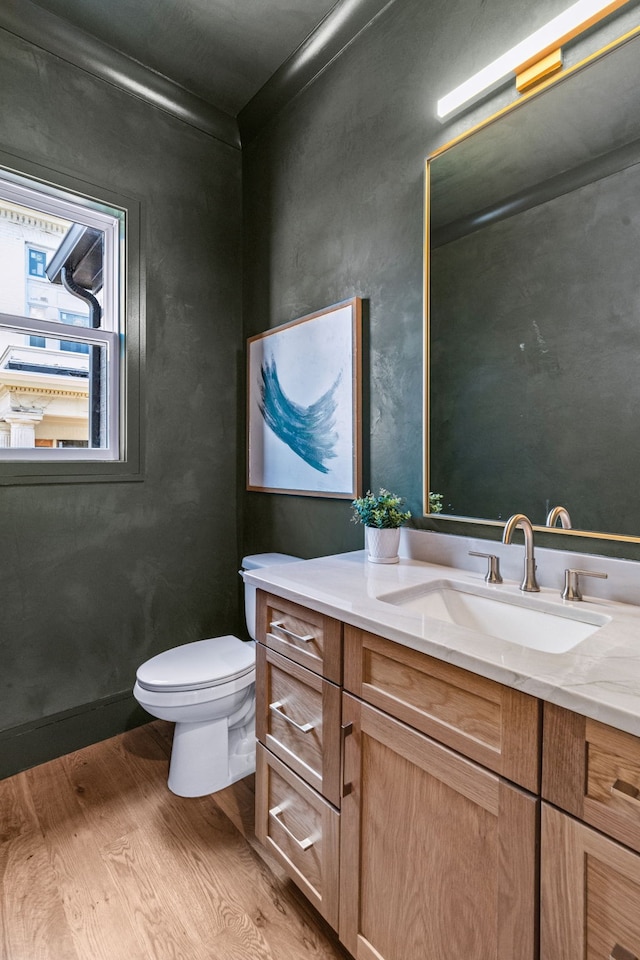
column 96, row 577
column 333, row 194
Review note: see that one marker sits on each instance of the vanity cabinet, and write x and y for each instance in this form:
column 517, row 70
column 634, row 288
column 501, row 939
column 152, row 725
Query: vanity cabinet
column 590, row 875
column 298, row 672
column 428, row 812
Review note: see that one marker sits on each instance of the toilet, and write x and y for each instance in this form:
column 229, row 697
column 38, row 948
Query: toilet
column 208, row 689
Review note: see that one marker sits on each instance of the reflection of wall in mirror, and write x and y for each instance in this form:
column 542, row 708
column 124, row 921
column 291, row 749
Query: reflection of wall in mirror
column 535, row 350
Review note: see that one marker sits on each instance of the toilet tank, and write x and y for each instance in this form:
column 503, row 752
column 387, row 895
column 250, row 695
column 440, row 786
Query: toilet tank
column 254, row 562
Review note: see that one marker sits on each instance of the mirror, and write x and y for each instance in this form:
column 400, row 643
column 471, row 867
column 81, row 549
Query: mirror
column 533, row 306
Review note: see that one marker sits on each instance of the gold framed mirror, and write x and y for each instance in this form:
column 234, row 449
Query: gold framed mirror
column 532, row 306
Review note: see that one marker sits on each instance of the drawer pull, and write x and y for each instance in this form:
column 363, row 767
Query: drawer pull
column 345, row 731
column 619, row 953
column 626, row 790
column 302, row 727
column 278, row 624
column 303, row 844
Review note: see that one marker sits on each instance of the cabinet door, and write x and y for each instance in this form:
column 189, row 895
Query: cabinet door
column 590, row 893
column 437, row 855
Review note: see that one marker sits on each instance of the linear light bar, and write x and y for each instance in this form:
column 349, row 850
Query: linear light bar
column 578, row 17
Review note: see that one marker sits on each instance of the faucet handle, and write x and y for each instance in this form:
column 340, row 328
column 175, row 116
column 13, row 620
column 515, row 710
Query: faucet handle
column 572, row 582
column 493, row 567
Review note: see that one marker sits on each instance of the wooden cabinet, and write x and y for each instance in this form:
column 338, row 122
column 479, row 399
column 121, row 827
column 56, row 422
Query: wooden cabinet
column 590, row 893
column 392, row 809
column 437, row 854
column 406, row 802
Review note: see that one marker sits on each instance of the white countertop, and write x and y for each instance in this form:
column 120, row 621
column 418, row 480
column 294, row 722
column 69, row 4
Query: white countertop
column 599, row 678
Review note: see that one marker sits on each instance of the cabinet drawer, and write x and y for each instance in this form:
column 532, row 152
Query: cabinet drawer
column 311, row 639
column 301, row 830
column 486, row 721
column 298, row 719
column 593, row 771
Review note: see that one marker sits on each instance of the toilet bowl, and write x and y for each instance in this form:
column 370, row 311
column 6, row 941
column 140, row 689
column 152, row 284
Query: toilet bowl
column 207, row 688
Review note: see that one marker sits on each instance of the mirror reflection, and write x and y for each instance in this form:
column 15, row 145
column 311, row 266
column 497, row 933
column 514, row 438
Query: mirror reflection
column 534, row 307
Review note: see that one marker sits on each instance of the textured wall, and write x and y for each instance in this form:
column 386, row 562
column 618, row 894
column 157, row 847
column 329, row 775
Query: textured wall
column 333, row 192
column 97, row 577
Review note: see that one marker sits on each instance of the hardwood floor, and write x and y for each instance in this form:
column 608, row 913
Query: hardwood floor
column 99, row 860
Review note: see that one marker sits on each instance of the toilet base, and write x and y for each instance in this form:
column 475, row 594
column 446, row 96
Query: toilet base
column 207, row 757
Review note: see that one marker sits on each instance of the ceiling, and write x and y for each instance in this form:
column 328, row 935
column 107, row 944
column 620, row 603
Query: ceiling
column 222, row 51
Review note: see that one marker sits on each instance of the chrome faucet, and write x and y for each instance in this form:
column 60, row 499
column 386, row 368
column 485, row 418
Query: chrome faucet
column 529, row 583
column 561, row 514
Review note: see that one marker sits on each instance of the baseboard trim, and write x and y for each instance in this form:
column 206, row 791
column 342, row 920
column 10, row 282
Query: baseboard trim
column 42, row 740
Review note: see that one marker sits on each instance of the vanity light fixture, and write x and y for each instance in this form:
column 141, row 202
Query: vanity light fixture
column 531, row 60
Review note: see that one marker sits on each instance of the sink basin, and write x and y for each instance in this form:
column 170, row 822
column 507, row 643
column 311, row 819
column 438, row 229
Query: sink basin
column 529, row 621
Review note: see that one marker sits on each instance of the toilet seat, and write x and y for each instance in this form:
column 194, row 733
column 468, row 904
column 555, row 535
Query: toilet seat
column 198, row 665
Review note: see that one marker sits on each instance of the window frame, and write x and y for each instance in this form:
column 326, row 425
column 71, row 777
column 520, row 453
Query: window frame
column 55, row 192
column 98, row 337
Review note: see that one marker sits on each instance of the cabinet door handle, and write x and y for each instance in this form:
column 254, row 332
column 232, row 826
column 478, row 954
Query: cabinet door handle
column 620, row 953
column 345, row 730
column 276, row 708
column 626, row 790
column 278, row 625
column 303, row 844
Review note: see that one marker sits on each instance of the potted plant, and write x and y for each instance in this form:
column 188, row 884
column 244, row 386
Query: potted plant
column 382, row 516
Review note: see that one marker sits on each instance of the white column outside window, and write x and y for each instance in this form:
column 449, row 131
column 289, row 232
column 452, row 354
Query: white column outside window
column 23, row 429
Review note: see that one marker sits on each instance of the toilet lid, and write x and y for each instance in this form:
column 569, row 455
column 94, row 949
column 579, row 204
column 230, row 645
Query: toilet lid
column 204, row 663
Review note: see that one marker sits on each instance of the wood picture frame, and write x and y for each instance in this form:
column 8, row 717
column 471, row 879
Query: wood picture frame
column 304, row 405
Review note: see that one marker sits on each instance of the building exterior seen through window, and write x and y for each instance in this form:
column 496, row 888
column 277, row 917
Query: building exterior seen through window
column 60, row 324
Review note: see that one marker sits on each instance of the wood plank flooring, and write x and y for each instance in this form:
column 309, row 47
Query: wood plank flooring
column 99, row 861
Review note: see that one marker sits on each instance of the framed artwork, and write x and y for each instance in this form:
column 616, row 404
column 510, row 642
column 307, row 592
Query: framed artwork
column 304, row 405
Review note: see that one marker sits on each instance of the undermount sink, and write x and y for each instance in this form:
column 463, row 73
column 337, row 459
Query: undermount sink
column 529, row 621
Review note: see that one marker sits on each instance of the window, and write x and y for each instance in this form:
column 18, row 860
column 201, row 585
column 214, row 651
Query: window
column 68, row 372
column 37, row 260
column 76, row 320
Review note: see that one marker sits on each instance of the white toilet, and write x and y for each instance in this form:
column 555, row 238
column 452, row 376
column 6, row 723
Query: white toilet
column 208, row 689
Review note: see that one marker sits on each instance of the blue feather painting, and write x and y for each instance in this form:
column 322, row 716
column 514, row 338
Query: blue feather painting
column 304, row 404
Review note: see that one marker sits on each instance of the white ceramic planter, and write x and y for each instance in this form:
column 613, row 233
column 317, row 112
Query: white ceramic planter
column 382, row 545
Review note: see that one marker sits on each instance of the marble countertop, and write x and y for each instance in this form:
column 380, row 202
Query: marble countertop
column 599, row 678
